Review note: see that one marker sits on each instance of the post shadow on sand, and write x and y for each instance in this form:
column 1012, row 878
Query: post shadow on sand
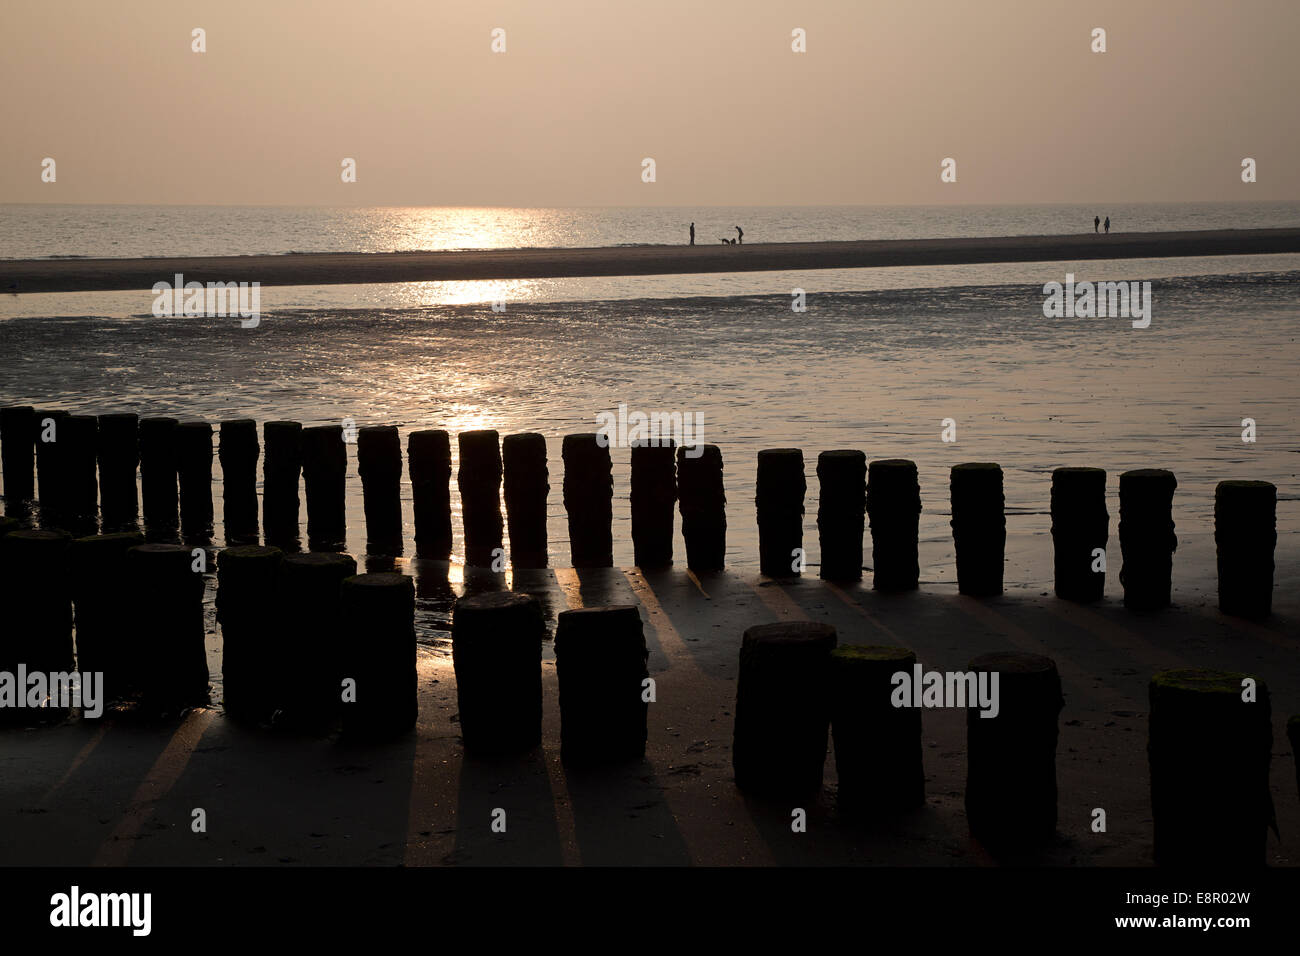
column 518, row 784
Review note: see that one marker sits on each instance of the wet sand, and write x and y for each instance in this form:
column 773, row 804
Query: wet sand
column 118, row 791
column 315, row 269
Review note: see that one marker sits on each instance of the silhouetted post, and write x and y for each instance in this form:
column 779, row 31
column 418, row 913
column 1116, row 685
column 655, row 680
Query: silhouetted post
column 1146, row 537
column 497, row 653
column 589, row 500
column 1011, row 757
column 778, row 499
column 238, row 451
column 307, row 682
column 194, row 472
column 78, row 443
column 783, row 708
column 18, row 453
column 877, row 745
column 247, row 584
column 894, row 506
column 1245, row 531
column 8, row 524
column 38, row 617
column 379, row 462
column 119, row 459
column 841, row 513
column 105, row 642
column 1293, row 734
column 653, row 498
column 479, row 480
column 600, row 661
column 281, row 468
column 50, row 482
column 167, row 609
column 979, row 527
column 324, row 472
column 158, row 481
column 429, row 455
column 1209, row 751
column 526, row 487
column 379, row 621
column 702, row 500
column 1080, row 526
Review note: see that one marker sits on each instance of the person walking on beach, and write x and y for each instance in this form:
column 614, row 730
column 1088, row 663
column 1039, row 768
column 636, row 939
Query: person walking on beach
column 740, row 235
column 1096, row 223
column 692, row 233
column 1108, row 225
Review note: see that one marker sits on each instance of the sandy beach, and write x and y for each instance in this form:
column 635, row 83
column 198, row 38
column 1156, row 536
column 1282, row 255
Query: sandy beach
column 96, row 275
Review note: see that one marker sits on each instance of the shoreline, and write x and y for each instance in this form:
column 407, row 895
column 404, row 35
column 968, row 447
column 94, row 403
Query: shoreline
column 30, row 276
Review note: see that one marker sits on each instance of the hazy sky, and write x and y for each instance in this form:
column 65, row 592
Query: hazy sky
column 709, row 88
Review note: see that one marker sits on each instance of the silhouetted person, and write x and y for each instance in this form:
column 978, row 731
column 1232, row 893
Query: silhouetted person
column 1096, row 223
column 692, row 233
column 1108, row 225
column 740, row 235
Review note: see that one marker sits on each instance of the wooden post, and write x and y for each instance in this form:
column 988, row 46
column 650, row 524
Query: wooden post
column 702, row 501
column 379, row 462
column 158, row 482
column 281, row 468
column 247, row 585
column 1080, row 525
column 17, row 451
column 841, row 513
column 778, row 498
column 1011, row 757
column 1146, row 537
column 979, row 527
column 167, row 603
column 1245, row 533
column 429, row 456
column 50, row 480
column 38, row 631
column 526, row 488
column 877, row 745
column 589, row 500
column 479, row 479
column 238, row 451
column 783, row 708
column 894, row 505
column 497, row 653
column 119, row 460
column 307, row 686
column 324, row 472
column 1209, row 750
column 98, row 579
column 653, row 498
column 600, row 661
column 194, row 472
column 379, row 619
column 78, row 443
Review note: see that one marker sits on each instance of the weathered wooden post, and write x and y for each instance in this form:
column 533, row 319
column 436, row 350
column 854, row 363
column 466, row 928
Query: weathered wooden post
column 100, row 592
column 479, row 479
column 324, row 472
column 600, row 660
column 158, row 478
column 308, row 686
column 783, row 708
column 238, row 450
column 702, row 500
column 429, row 456
column 653, row 498
column 497, row 653
column 841, row 513
column 281, row 468
column 1211, row 740
column 50, row 481
column 247, row 585
column 194, row 473
column 17, row 451
column 1080, row 526
column 80, row 496
column 1245, row 534
column 379, row 462
column 379, row 619
column 589, row 500
column 119, row 460
column 1146, row 537
column 778, row 498
column 526, row 487
column 894, row 507
column 167, row 602
column 979, row 527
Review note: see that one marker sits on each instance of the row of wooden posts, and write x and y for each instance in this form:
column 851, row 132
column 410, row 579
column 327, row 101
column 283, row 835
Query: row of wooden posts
column 139, row 622
column 174, row 462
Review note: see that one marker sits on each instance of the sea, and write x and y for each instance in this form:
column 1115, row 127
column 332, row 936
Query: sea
column 890, row 361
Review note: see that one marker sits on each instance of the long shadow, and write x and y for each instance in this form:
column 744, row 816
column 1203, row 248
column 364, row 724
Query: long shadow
column 514, row 792
column 621, row 817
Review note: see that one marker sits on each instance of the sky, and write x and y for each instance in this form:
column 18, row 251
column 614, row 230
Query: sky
column 587, row 89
